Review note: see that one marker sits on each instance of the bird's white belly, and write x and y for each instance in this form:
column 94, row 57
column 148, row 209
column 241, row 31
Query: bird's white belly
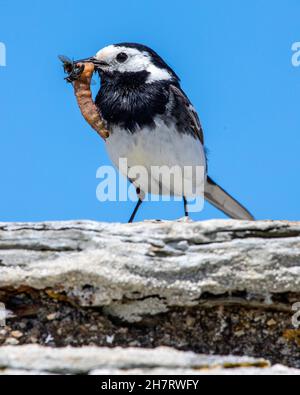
column 156, row 148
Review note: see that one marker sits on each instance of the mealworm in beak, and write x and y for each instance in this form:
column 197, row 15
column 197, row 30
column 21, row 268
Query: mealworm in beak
column 82, row 89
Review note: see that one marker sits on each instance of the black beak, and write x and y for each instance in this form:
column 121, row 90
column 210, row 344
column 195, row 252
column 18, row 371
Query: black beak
column 92, row 59
column 87, row 60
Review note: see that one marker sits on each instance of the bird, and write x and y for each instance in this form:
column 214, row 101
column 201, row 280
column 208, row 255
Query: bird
column 152, row 122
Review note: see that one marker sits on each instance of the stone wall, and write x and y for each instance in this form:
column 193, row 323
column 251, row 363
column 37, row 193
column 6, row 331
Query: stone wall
column 217, row 287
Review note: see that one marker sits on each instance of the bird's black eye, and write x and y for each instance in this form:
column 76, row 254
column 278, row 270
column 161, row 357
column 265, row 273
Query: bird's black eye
column 122, row 57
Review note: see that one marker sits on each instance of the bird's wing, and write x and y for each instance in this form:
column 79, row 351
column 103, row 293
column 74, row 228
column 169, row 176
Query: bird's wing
column 188, row 121
column 219, row 198
column 185, row 114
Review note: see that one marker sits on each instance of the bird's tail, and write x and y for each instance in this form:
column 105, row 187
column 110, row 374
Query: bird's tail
column 219, row 198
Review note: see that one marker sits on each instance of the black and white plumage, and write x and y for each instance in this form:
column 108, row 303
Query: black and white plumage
column 151, row 120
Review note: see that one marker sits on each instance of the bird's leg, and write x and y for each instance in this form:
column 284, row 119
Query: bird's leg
column 135, row 211
column 186, row 212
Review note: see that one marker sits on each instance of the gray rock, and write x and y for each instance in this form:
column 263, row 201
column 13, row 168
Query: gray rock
column 126, row 264
column 217, row 286
column 276, row 370
column 90, row 359
column 37, row 360
column 17, row 372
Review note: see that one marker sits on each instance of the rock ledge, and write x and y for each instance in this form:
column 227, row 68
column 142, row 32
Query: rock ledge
column 223, row 287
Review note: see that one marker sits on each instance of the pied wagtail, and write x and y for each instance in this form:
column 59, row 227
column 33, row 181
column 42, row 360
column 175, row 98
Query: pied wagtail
column 151, row 121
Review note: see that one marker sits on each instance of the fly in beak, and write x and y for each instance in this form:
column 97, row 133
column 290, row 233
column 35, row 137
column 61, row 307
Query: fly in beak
column 98, row 64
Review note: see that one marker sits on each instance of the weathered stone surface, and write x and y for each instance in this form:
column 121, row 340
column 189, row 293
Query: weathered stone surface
column 224, row 287
column 276, row 370
column 171, row 263
column 97, row 361
column 19, row 372
column 87, row 359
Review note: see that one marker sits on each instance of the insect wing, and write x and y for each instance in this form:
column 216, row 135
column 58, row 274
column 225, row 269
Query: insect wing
column 64, row 59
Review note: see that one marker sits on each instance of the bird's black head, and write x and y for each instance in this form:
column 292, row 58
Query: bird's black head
column 133, row 58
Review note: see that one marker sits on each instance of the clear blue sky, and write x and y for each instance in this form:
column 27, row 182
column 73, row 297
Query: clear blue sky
column 234, row 59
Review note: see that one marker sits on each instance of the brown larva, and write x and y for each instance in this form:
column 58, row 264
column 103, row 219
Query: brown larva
column 81, row 75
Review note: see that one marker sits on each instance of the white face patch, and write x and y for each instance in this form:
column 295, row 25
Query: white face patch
column 137, row 61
